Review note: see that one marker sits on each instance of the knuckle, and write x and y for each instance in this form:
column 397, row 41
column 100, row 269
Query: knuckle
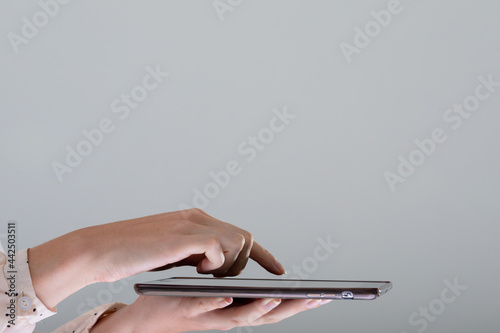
column 240, row 240
column 195, row 212
column 197, row 215
column 212, row 241
column 248, row 237
column 184, row 216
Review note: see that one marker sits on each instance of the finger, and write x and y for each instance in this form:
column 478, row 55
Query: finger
column 289, row 308
column 207, row 304
column 214, row 254
column 241, row 261
column 233, row 244
column 236, row 251
column 205, row 244
column 266, row 259
column 244, row 315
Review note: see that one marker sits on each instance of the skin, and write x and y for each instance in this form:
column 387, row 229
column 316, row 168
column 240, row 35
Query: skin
column 113, row 251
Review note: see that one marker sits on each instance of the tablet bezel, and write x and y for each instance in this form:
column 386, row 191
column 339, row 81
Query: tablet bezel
column 186, row 287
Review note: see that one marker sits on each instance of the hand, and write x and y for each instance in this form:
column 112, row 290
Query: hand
column 117, row 250
column 162, row 314
column 162, row 241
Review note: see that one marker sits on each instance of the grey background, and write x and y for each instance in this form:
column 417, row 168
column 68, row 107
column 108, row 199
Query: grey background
column 323, row 175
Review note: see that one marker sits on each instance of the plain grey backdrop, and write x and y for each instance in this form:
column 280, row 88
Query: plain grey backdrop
column 322, row 178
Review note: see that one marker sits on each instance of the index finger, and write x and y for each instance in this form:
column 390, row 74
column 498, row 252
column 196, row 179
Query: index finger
column 264, row 258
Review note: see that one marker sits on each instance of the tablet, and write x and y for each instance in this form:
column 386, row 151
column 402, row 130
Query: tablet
column 264, row 288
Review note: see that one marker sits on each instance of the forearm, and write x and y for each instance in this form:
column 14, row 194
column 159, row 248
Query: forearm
column 60, row 267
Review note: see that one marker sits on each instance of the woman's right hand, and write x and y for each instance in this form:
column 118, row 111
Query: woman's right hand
column 163, row 241
column 109, row 252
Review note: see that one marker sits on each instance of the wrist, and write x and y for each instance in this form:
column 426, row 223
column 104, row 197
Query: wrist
column 59, row 267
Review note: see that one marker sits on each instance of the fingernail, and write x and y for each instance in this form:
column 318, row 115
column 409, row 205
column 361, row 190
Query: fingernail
column 313, row 303
column 272, row 304
column 279, row 266
column 225, row 302
column 326, row 301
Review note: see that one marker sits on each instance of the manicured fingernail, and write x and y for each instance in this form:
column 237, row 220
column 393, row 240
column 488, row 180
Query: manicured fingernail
column 313, row 303
column 279, row 266
column 225, row 302
column 326, row 301
column 272, row 304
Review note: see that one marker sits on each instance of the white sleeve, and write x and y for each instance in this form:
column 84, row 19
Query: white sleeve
column 86, row 321
column 20, row 308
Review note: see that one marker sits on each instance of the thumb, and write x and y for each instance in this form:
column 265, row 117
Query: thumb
column 207, row 304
